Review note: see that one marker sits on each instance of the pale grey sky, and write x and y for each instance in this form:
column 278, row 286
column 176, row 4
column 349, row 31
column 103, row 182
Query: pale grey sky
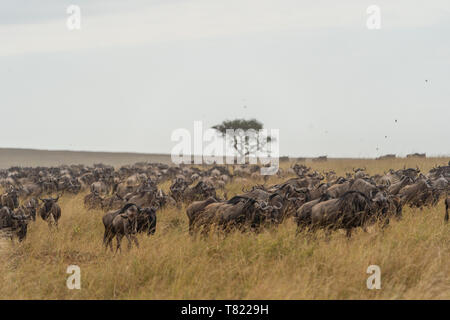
column 137, row 70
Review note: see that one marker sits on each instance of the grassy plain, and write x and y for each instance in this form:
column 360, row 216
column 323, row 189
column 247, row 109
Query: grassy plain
column 413, row 254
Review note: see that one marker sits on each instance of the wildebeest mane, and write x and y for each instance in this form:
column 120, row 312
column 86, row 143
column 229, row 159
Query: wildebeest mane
column 236, row 199
column 353, row 201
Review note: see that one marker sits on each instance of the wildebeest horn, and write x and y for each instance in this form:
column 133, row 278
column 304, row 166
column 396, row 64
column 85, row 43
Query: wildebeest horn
column 278, row 207
column 262, row 204
column 125, row 207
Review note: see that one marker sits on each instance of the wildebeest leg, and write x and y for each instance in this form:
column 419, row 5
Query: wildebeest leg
column 56, row 222
column 446, row 214
column 110, row 239
column 135, row 240
column 205, row 230
column 119, row 239
column 327, row 234
column 349, row 233
column 105, row 238
column 385, row 224
column 129, row 240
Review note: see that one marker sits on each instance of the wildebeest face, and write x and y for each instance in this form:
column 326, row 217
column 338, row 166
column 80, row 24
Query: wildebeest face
column 48, row 203
column 20, row 225
column 380, row 202
column 15, row 198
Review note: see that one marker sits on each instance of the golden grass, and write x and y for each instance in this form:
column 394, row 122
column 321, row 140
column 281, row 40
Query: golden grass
column 413, row 254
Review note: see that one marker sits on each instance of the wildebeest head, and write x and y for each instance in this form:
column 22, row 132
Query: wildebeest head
column 20, row 225
column 149, row 218
column 380, row 202
column 49, row 202
column 131, row 212
column 13, row 195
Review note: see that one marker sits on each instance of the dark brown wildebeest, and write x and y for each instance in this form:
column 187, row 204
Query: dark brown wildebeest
column 354, row 209
column 201, row 191
column 50, row 210
column 115, row 202
column 396, row 187
column 31, row 206
column 195, row 207
column 121, row 223
column 143, row 197
column 177, row 188
column 360, row 173
column 417, row 194
column 15, row 223
column 146, row 220
column 239, row 212
column 303, row 214
column 365, row 187
column 93, row 201
column 338, row 189
column 26, row 211
column 10, row 199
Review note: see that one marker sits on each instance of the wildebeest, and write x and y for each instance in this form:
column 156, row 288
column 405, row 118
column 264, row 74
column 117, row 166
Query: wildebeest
column 27, row 211
column 93, row 201
column 50, row 210
column 353, row 209
column 31, row 206
column 146, row 220
column 338, row 189
column 417, row 194
column 195, row 207
column 239, row 212
column 202, row 190
column 365, row 187
column 124, row 225
column 128, row 221
column 114, row 202
column 16, row 223
column 10, row 199
column 396, row 187
column 99, row 187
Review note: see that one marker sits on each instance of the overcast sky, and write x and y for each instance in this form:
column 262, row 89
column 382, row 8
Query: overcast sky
column 137, row 70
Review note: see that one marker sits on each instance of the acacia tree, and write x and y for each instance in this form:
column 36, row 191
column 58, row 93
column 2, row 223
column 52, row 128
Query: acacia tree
column 240, row 138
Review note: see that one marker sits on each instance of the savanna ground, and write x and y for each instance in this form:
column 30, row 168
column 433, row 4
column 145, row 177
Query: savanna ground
column 413, row 254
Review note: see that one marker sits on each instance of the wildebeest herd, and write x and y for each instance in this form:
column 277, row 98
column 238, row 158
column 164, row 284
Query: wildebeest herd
column 131, row 195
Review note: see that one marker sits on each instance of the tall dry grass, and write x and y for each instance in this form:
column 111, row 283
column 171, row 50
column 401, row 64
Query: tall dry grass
column 413, row 254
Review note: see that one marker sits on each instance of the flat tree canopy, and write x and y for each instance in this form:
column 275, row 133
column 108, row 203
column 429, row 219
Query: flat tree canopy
column 242, row 143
